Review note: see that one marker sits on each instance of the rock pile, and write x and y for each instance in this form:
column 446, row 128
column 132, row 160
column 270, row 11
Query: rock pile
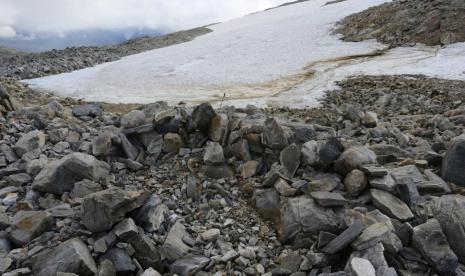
column 339, row 190
column 34, row 65
column 408, row 22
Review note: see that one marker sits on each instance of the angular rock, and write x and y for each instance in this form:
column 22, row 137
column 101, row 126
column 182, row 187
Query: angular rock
column 309, row 153
column 284, row 189
column 330, row 151
column 33, row 140
column 59, row 176
column 150, row 272
column 101, row 144
column 353, row 158
column 303, row 215
column 121, row 261
column 273, row 135
column 29, row 224
column 429, row 239
column 101, row 210
column 344, row 239
column 172, row 143
column 129, row 149
column 202, row 117
column 210, row 235
column 391, row 205
column 84, row 187
column 146, row 251
column 448, row 210
column 91, row 110
column 219, row 128
column 151, row 216
column 372, row 235
column 249, row 168
column 267, row 204
column 133, row 119
column 408, row 192
column 385, row 183
column 241, row 150
column 369, row 119
column 328, row 199
column 453, row 165
column 213, row 154
column 72, row 256
column 126, row 229
column 355, row 182
column 174, row 246
column 290, row 159
column 188, row 265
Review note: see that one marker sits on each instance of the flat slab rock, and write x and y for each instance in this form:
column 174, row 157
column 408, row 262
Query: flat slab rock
column 328, row 199
column 391, row 205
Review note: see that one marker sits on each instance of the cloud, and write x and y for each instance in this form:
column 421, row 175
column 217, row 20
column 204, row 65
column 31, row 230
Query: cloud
column 59, row 17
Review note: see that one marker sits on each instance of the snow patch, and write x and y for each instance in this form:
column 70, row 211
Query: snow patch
column 280, row 57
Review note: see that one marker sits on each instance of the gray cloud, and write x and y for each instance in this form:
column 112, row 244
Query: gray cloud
column 59, row 17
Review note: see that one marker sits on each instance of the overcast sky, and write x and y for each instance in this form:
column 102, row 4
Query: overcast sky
column 59, row 17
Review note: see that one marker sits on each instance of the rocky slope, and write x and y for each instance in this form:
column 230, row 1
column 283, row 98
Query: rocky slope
column 371, row 183
column 34, row 65
column 408, row 22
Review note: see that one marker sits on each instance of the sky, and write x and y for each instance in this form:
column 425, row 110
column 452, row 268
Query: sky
column 41, row 18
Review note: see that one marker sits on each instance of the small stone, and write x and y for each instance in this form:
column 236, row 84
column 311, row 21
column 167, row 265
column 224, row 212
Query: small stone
column 328, row 199
column 369, row 119
column 391, row 205
column 210, row 235
column 385, row 183
column 229, row 256
column 172, row 143
column 283, row 188
column 355, row 182
column 361, row 267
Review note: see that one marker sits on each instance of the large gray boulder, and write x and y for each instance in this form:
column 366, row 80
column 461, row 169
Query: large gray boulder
column 304, row 215
column 33, row 140
column 26, row 225
column 101, row 210
column 453, row 165
column 429, row 239
column 174, row 246
column 72, row 256
column 59, row 176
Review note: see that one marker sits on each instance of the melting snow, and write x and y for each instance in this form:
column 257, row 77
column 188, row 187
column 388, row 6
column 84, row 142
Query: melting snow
column 281, row 57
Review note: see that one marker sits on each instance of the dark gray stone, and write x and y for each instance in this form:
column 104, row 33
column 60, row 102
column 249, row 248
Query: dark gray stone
column 188, row 265
column 202, row 117
column 391, row 205
column 92, row 110
column 345, row 238
column 290, row 159
column 453, row 165
column 429, row 239
column 121, row 261
column 273, row 135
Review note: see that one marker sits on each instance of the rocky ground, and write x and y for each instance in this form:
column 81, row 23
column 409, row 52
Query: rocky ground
column 408, row 22
column 34, row 65
column 371, row 183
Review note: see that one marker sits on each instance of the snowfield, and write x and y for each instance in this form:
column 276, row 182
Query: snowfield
column 280, row 57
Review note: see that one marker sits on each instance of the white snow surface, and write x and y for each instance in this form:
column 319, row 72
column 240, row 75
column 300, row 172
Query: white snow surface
column 280, row 57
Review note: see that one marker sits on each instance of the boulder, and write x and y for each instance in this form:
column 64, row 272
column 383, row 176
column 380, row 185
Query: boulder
column 174, row 246
column 267, row 204
column 133, row 119
column 72, row 256
column 122, row 262
column 241, row 150
column 330, row 152
column 448, row 210
column 273, row 135
column 391, row 205
column 290, row 159
column 59, row 176
column 27, row 225
column 101, row 210
column 146, row 251
column 353, row 158
column 31, row 141
column 303, row 215
column 453, row 165
column 429, row 239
